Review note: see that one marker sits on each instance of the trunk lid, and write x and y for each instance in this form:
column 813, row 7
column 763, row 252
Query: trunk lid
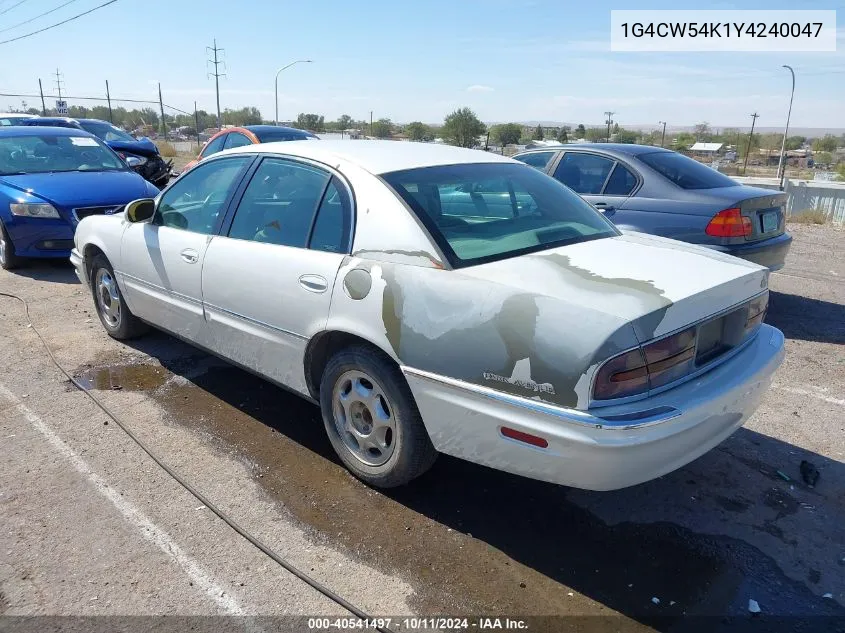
column 656, row 284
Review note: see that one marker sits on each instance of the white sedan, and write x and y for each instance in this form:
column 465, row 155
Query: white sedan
column 436, row 299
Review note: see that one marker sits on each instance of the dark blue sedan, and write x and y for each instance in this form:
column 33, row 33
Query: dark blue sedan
column 654, row 190
column 50, row 178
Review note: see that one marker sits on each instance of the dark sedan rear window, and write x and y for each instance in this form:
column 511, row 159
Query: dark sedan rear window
column 283, row 135
column 685, row 172
column 484, row 212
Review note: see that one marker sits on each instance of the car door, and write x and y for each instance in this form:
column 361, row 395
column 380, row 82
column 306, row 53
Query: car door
column 268, row 279
column 602, row 181
column 161, row 260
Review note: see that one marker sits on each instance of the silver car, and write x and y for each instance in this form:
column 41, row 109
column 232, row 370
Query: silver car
column 435, row 299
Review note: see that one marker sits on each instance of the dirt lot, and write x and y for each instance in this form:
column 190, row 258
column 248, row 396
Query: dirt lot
column 91, row 526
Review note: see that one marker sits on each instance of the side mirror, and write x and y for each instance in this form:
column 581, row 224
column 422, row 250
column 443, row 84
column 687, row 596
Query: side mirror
column 133, row 161
column 140, row 210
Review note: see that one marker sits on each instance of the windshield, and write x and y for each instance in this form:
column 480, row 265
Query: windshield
column 484, row 212
column 685, row 172
column 40, row 154
column 13, row 119
column 106, row 131
column 284, row 135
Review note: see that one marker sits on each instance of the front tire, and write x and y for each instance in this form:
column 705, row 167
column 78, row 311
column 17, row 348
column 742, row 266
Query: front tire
column 114, row 314
column 8, row 259
column 372, row 420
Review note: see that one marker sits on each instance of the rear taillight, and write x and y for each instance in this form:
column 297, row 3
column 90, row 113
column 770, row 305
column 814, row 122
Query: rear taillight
column 729, row 223
column 757, row 311
column 647, row 367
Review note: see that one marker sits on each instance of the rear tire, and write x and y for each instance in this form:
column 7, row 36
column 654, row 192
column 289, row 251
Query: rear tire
column 372, row 420
column 114, row 314
column 8, row 259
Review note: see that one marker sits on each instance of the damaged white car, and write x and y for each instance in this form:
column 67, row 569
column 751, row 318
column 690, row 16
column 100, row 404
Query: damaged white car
column 434, row 299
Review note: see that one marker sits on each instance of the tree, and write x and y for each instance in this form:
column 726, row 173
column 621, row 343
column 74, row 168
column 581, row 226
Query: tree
column 616, row 128
column 580, row 132
column 313, row 122
column 538, row 133
column 702, row 131
column 626, row 136
column 563, row 134
column 344, row 122
column 840, row 169
column 382, row 128
column 823, row 158
column 506, row 133
column 417, row 131
column 827, row 143
column 595, row 134
column 683, row 141
column 462, row 128
column 795, row 142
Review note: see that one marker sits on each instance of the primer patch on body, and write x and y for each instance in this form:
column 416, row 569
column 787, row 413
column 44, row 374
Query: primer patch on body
column 357, row 283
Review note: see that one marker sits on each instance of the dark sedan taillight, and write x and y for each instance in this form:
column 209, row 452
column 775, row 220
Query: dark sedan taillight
column 729, row 223
column 648, row 367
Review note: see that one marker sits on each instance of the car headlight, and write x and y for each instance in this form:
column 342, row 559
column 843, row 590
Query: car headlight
column 34, row 210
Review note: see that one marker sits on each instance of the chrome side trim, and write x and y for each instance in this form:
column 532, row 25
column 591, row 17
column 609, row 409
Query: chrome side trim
column 255, row 321
column 633, row 420
column 162, row 289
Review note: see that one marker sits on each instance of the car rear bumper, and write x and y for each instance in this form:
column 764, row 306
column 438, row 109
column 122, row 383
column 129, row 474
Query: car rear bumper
column 770, row 253
column 606, row 448
column 40, row 237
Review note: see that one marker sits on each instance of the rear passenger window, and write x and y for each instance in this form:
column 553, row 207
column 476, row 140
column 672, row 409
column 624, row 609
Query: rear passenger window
column 279, row 203
column 236, row 139
column 538, row 160
column 621, row 182
column 213, row 146
column 583, row 173
column 331, row 229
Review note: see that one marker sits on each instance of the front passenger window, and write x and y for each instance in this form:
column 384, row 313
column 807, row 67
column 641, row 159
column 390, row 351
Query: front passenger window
column 236, row 139
column 196, row 200
column 213, row 146
column 279, row 204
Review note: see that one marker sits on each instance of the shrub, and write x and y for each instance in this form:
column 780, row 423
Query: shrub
column 166, row 149
column 809, row 216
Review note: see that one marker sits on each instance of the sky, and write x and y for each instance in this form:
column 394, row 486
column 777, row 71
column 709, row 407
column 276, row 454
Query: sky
column 508, row 60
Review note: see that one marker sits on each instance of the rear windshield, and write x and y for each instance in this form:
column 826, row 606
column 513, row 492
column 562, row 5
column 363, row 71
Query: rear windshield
column 106, row 131
column 685, row 172
column 283, row 135
column 485, row 212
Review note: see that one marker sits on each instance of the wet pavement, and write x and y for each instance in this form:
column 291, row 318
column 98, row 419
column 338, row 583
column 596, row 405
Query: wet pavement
column 473, row 540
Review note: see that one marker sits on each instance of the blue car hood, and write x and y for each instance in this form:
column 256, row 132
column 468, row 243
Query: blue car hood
column 143, row 146
column 79, row 189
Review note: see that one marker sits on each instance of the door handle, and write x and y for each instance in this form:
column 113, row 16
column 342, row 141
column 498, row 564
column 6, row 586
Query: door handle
column 190, row 255
column 314, row 283
column 604, row 206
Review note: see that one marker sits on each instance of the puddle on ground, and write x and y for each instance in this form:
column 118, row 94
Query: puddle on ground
column 471, row 540
column 125, row 377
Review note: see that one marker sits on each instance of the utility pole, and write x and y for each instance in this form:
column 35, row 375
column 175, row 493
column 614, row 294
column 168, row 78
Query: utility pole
column 609, row 122
column 216, row 74
column 58, row 83
column 781, row 161
column 161, row 105
column 750, row 138
column 663, row 136
column 197, row 124
column 108, row 99
column 43, row 105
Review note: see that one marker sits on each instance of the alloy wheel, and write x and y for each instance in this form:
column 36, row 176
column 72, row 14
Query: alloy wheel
column 364, row 417
column 108, row 297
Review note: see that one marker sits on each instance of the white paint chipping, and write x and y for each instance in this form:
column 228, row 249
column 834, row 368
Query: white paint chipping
column 141, row 522
column 815, row 392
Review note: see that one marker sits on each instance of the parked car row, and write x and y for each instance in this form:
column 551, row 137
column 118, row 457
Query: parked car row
column 433, row 299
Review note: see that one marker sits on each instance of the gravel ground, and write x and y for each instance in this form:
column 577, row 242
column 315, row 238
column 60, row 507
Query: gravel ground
column 91, row 526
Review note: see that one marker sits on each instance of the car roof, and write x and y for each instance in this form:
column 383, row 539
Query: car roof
column 260, row 129
column 21, row 114
column 377, row 157
column 610, row 148
column 94, row 121
column 46, row 130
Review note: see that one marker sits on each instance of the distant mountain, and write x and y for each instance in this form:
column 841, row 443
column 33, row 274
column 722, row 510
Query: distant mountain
column 810, row 132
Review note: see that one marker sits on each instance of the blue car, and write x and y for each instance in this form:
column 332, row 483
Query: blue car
column 50, row 178
column 654, row 190
column 141, row 154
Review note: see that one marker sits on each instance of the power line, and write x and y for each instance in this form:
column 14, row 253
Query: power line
column 41, row 15
column 12, row 7
column 52, row 26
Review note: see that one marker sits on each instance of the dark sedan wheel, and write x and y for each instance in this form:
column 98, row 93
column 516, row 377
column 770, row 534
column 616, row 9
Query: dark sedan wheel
column 372, row 420
column 8, row 259
column 114, row 314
